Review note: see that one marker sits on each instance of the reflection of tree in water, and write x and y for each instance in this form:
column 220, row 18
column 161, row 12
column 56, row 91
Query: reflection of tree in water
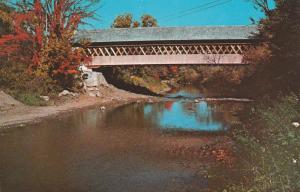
column 228, row 111
column 180, row 114
column 127, row 116
column 187, row 92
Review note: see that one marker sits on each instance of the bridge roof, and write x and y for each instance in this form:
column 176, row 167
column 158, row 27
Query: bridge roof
column 155, row 34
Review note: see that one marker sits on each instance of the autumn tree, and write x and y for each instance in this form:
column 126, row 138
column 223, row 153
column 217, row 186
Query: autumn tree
column 126, row 21
column 277, row 54
column 148, row 21
column 5, row 19
column 136, row 24
column 47, row 28
column 123, row 21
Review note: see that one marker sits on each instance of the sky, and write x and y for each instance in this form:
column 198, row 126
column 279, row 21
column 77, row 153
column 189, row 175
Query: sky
column 179, row 12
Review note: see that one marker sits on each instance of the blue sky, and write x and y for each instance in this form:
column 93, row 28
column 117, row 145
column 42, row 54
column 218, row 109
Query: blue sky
column 179, row 12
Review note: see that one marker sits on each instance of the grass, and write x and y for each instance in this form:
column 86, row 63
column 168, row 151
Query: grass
column 28, row 98
column 270, row 148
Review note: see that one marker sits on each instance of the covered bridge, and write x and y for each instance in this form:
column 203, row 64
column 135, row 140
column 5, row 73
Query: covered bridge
column 168, row 45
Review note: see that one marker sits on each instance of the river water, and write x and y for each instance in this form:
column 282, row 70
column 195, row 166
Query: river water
column 135, row 147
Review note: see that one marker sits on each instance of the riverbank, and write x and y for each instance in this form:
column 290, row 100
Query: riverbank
column 13, row 113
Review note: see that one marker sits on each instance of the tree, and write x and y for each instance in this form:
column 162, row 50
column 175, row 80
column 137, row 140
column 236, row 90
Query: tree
column 279, row 35
column 126, row 21
column 148, row 21
column 263, row 5
column 5, row 19
column 123, row 21
column 136, row 24
column 46, row 29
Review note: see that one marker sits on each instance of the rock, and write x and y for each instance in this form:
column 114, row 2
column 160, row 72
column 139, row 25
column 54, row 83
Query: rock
column 102, row 108
column 92, row 89
column 45, row 98
column 83, row 68
column 66, row 93
column 196, row 101
column 296, row 124
column 294, row 161
column 94, row 94
column 98, row 94
column 94, row 79
column 75, row 94
column 91, row 94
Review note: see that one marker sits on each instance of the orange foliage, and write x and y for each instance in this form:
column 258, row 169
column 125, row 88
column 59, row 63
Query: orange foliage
column 173, row 69
column 258, row 54
column 46, row 46
column 168, row 105
column 224, row 156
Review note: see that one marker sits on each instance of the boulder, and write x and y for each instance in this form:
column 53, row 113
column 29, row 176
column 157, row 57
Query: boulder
column 66, row 93
column 296, row 124
column 92, row 81
column 45, row 98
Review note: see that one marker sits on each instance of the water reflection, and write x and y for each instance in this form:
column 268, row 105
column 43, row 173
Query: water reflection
column 115, row 150
column 187, row 92
column 186, row 115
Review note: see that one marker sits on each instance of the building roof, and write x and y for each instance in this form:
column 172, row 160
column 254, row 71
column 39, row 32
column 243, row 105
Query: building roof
column 151, row 34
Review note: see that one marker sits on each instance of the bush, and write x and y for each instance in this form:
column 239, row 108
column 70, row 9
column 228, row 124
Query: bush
column 200, row 75
column 18, row 82
column 271, row 148
column 28, row 98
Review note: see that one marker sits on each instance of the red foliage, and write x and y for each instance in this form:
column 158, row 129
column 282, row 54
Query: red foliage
column 168, row 105
column 50, row 49
column 11, row 43
column 173, row 69
column 224, row 155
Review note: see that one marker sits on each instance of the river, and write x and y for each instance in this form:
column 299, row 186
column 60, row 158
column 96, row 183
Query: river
column 135, row 147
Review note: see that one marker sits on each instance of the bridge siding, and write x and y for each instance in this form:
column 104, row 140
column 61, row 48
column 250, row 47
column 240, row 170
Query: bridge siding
column 228, row 59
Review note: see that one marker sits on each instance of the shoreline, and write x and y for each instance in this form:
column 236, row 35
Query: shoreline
column 20, row 115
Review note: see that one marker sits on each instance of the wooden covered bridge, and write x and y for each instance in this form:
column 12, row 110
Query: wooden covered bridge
column 168, row 45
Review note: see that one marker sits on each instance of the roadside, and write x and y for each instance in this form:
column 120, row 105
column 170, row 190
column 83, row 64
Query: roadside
column 13, row 112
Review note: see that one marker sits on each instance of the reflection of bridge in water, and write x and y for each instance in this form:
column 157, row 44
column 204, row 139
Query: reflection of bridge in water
column 172, row 45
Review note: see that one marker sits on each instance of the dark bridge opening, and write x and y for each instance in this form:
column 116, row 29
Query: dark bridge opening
column 108, row 73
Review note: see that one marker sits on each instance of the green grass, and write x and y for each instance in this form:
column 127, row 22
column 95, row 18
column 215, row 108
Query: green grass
column 28, row 98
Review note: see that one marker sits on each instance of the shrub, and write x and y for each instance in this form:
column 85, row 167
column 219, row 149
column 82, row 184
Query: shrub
column 270, row 149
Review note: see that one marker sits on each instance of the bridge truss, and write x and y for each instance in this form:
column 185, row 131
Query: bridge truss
column 149, row 54
column 173, row 49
